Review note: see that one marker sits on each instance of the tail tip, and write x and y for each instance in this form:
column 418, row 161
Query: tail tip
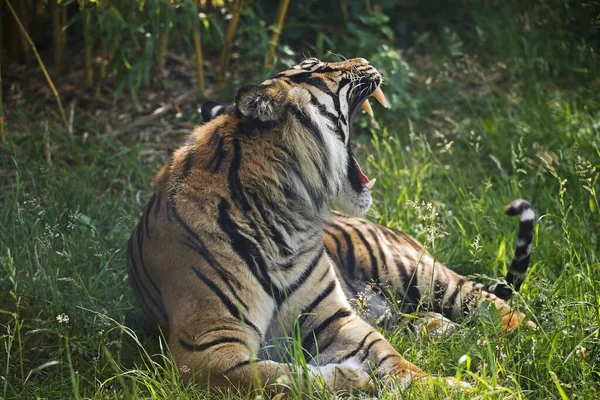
column 517, row 207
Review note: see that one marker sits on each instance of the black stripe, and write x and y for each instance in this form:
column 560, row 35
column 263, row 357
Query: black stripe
column 147, row 213
column 372, row 258
column 306, row 273
column 169, row 206
column 335, row 120
column 410, row 282
column 439, row 290
column 379, row 250
column 368, row 349
column 356, row 350
column 223, row 274
column 138, row 281
column 196, row 244
column 275, row 234
column 316, row 301
column 350, row 257
column 187, row 164
column 204, row 346
column 292, row 262
column 338, row 248
column 342, row 277
column 325, row 275
column 158, row 204
column 140, row 245
column 308, row 343
column 310, row 126
column 226, row 301
column 316, row 195
column 449, row 306
column 217, row 158
column 233, row 178
column 385, row 359
column 402, row 274
column 236, row 366
column 137, row 287
column 248, row 251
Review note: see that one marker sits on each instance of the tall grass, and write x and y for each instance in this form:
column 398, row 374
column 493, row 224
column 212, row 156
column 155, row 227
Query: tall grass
column 447, row 160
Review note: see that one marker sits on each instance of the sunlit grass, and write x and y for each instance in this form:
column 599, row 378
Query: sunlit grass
column 70, row 327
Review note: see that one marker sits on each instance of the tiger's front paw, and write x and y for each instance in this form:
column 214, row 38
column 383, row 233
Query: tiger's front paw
column 513, row 319
column 434, row 326
column 345, row 376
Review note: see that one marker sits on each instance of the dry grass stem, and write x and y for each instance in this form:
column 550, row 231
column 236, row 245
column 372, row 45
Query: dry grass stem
column 42, row 66
column 281, row 12
column 198, row 51
column 226, row 52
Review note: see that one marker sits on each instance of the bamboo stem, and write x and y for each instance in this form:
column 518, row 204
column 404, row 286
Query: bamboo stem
column 43, row 67
column 163, row 44
column 87, row 53
column 2, row 131
column 63, row 38
column 198, row 51
column 103, row 60
column 58, row 42
column 343, row 12
column 281, row 12
column 225, row 53
column 24, row 16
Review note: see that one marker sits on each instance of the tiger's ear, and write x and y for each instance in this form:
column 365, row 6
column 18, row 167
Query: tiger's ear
column 212, row 109
column 258, row 102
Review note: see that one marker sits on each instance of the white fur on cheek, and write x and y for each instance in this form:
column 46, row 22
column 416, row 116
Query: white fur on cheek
column 352, row 203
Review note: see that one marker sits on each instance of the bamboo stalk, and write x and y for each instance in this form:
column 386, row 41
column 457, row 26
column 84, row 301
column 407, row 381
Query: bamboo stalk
column 343, row 12
column 103, row 60
column 225, row 53
column 2, row 131
column 163, row 44
column 281, row 12
column 87, row 53
column 63, row 38
column 58, row 42
column 43, row 67
column 13, row 42
column 24, row 17
column 198, row 51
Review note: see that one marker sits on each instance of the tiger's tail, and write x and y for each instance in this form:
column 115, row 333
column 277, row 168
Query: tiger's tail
column 517, row 272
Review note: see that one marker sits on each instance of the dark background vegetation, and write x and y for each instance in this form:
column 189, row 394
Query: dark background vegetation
column 491, row 100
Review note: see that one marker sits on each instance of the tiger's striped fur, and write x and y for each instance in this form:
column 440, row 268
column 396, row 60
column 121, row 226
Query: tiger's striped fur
column 229, row 252
column 396, row 267
column 367, row 255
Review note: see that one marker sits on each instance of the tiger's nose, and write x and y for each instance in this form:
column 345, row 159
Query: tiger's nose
column 353, row 63
column 360, row 61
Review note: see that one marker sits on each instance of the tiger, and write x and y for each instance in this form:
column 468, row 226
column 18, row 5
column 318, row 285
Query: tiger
column 363, row 253
column 237, row 247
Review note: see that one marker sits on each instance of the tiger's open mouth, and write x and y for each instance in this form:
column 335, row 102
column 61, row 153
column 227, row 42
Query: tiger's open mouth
column 357, row 177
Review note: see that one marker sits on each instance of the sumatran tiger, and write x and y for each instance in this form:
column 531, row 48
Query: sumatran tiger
column 237, row 248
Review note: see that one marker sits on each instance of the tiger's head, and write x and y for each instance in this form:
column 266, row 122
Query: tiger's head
column 312, row 107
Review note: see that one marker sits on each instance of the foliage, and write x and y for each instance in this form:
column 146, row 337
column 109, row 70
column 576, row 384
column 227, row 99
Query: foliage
column 485, row 109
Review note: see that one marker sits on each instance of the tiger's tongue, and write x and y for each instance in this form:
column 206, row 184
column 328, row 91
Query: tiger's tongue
column 361, row 174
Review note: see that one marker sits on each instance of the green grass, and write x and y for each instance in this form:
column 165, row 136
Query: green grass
column 63, row 230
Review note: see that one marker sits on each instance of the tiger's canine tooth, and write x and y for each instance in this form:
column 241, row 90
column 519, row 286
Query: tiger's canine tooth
column 371, row 183
column 378, row 94
column 367, row 107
